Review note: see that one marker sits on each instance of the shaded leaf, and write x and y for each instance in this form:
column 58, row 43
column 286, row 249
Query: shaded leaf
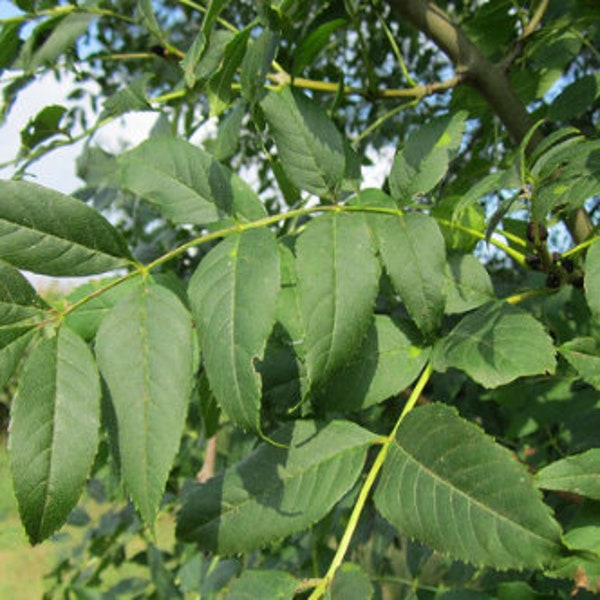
column 233, row 294
column 145, row 351
column 54, row 431
column 592, row 278
column 47, row 232
column 256, row 64
column 187, row 184
column 579, row 474
column 263, row 584
column 496, row 344
column 338, row 278
column 314, row 43
column 576, row 98
column 309, row 145
column 386, row 363
column 413, row 253
column 350, row 583
column 468, row 284
column 275, row 491
column 584, row 356
column 446, row 483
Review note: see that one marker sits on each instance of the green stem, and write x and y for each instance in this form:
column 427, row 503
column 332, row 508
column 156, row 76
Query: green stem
column 367, row 486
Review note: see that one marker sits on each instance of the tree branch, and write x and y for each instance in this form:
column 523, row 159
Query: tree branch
column 489, row 79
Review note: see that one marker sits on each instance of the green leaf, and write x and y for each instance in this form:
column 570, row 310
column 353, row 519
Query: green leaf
column 584, row 356
column 338, row 278
column 15, row 289
column 496, row 344
column 52, row 38
column 579, row 474
column 233, row 295
column 423, row 162
column 386, row 363
column 146, row 14
column 468, row 285
column 309, row 145
column 414, row 255
column 228, row 134
column 131, row 98
column 263, row 584
column 576, row 98
column 256, row 65
column 10, row 44
column 54, row 431
column 350, row 583
column 275, row 491
column 470, row 216
column 447, row 483
column 314, row 43
column 46, row 232
column 44, row 125
column 187, row 184
column 145, row 351
column 592, row 278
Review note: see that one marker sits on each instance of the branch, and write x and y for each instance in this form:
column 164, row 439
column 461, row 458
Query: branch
column 489, row 79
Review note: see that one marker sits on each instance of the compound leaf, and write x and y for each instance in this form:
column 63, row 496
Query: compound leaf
column 276, row 491
column 446, row 483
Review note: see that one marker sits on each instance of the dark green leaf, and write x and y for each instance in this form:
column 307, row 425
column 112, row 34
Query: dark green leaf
column 186, row 183
column 584, row 356
column 10, row 44
column 496, row 344
column 263, row 584
column 256, row 65
column 575, row 99
column 145, row 351
column 592, row 278
column 54, row 431
column 414, row 255
column 228, row 134
column 146, row 13
column 309, row 145
column 314, row 43
column 43, row 126
column 338, row 277
column 275, row 491
column 46, row 232
column 233, row 294
column 579, row 474
column 449, row 485
column 468, row 284
column 423, row 162
column 15, row 289
column 131, row 98
column 386, row 363
column 350, row 583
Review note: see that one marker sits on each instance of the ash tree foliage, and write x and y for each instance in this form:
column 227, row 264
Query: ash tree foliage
column 382, row 392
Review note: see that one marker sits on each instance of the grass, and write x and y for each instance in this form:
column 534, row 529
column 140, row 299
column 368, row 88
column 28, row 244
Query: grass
column 22, row 567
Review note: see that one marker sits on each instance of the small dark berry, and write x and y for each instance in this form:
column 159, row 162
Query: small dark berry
column 534, row 262
column 542, row 232
column 159, row 50
column 553, row 281
column 568, row 265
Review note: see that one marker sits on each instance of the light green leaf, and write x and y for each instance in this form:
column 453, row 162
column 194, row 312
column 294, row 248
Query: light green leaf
column 592, row 278
column 350, row 583
column 46, row 232
column 131, row 98
column 386, row 363
column 54, row 431
column 496, row 344
column 468, row 284
column 579, row 474
column 414, row 255
column 275, row 491
column 446, row 483
column 584, row 356
column 338, row 278
column 145, row 351
column 471, row 216
column 233, row 295
column 264, row 584
column 187, row 184
column 309, row 145
column 423, row 162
